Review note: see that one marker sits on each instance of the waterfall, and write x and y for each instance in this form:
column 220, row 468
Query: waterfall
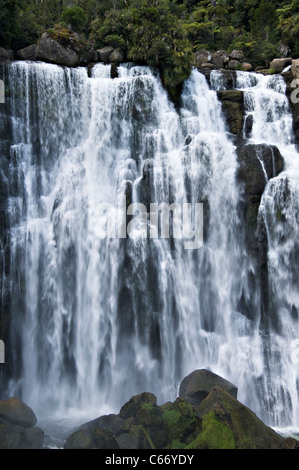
column 97, row 319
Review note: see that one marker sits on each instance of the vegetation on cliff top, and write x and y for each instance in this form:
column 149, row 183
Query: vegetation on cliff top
column 162, row 33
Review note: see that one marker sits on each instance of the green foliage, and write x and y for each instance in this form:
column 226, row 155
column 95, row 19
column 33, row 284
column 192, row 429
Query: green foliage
column 214, row 435
column 161, row 33
column 74, row 16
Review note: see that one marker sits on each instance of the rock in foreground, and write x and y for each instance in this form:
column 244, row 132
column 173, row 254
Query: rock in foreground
column 17, row 426
column 211, row 418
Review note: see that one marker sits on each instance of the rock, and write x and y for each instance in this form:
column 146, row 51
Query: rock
column 279, row 64
column 14, row 411
column 234, row 64
column 290, row 443
column 5, row 55
column 196, row 386
column 207, row 65
column 236, row 55
column 110, row 423
column 295, row 68
column 130, row 408
column 87, row 57
column 104, row 54
column 79, row 440
column 18, row 437
column 233, row 108
column 246, row 67
column 256, row 164
column 202, row 56
column 116, row 56
column 228, row 424
column 49, row 50
column 104, row 439
column 27, row 53
column 219, row 58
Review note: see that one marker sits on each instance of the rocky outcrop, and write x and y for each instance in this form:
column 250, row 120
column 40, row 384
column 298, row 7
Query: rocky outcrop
column 17, row 426
column 197, row 386
column 233, row 108
column 278, row 65
column 27, row 53
column 49, row 50
column 213, row 418
column 6, row 55
column 235, row 60
column 256, row 165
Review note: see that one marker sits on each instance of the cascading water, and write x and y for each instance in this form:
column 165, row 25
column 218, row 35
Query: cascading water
column 267, row 108
column 96, row 320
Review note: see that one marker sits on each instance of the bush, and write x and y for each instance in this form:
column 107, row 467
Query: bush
column 74, row 16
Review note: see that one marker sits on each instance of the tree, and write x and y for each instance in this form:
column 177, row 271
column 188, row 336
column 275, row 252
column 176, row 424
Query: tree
column 74, row 16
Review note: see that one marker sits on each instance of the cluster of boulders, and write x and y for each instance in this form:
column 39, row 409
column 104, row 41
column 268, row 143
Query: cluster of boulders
column 206, row 415
column 63, row 48
column 17, row 426
column 234, row 60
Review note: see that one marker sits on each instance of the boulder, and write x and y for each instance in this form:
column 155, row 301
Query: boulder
column 234, row 64
column 27, row 53
column 228, row 424
column 236, row 55
column 18, row 437
column 279, row 64
column 49, row 50
column 246, row 67
column 130, row 408
column 5, row 55
column 104, row 54
column 79, row 440
column 197, row 386
column 14, row 411
column 256, row 164
column 295, row 68
column 233, row 108
column 117, row 56
column 88, row 56
column 219, row 59
column 202, row 56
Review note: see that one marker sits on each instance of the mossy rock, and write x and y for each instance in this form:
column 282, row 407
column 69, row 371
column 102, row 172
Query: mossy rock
column 214, row 435
column 235, row 424
column 180, row 423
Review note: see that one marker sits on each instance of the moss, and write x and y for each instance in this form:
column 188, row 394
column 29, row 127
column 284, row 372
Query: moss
column 147, row 406
column 170, row 417
column 177, row 444
column 214, row 435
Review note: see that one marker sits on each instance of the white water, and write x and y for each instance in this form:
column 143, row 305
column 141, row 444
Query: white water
column 101, row 320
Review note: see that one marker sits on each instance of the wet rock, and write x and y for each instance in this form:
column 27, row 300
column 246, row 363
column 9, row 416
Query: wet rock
column 196, row 386
column 295, row 68
column 234, row 65
column 228, row 424
column 279, row 64
column 256, row 164
column 6, row 55
column 202, row 56
column 237, row 55
column 130, row 408
column 14, row 411
column 233, row 108
column 116, row 56
column 79, row 440
column 246, row 67
column 104, row 54
column 27, row 53
column 18, row 437
column 49, row 50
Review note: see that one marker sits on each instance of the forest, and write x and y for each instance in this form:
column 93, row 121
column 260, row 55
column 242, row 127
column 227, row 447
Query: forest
column 160, row 33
